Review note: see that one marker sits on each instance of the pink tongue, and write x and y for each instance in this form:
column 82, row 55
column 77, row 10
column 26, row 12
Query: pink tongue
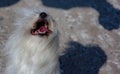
column 43, row 29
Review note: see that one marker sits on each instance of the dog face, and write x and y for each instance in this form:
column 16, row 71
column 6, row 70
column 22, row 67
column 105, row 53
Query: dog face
column 38, row 24
column 43, row 26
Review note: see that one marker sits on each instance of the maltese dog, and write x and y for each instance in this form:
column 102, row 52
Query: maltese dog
column 32, row 47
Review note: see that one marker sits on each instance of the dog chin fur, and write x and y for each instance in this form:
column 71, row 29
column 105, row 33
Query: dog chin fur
column 29, row 54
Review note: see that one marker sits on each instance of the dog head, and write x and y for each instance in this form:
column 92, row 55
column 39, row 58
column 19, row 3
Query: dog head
column 43, row 26
column 37, row 24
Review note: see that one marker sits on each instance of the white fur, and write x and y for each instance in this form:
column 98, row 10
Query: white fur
column 29, row 54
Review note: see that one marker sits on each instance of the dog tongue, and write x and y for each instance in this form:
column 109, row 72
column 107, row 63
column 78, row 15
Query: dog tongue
column 44, row 29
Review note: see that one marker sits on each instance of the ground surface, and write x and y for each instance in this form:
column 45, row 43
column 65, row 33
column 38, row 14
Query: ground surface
column 89, row 31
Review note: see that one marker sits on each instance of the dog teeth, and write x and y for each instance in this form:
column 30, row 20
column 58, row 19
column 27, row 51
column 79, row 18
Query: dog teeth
column 36, row 32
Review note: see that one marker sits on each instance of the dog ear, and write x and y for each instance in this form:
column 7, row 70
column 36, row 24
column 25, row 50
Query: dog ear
column 23, row 12
column 22, row 15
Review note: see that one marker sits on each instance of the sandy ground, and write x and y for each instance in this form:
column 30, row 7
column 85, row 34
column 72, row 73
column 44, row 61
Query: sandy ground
column 89, row 31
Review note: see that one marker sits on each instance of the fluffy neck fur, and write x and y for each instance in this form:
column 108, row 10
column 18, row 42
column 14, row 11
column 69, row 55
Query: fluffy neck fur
column 30, row 54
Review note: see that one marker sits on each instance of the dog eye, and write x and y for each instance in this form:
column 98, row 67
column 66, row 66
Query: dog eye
column 43, row 15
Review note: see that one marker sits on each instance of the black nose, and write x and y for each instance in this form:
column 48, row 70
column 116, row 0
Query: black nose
column 43, row 15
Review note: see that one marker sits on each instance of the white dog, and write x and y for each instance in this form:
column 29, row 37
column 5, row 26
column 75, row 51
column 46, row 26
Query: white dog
column 32, row 48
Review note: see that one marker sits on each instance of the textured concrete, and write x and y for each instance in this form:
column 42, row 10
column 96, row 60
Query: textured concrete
column 89, row 32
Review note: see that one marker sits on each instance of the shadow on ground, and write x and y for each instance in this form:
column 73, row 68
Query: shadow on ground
column 109, row 16
column 80, row 59
column 5, row 3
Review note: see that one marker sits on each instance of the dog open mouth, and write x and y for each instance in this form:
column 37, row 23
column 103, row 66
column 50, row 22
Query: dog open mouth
column 41, row 27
